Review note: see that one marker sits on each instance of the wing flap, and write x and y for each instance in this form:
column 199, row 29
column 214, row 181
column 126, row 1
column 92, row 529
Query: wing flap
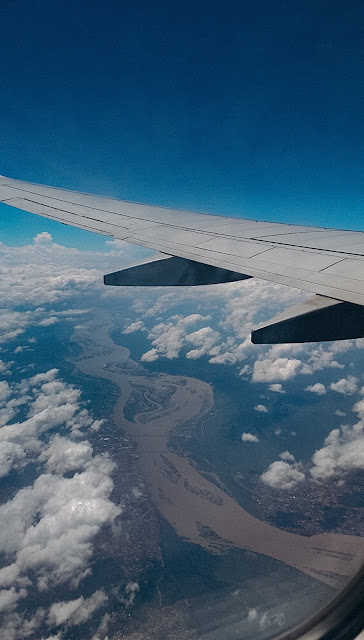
column 316, row 319
column 171, row 271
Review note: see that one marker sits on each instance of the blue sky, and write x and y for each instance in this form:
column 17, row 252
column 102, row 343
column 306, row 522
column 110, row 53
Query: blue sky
column 237, row 108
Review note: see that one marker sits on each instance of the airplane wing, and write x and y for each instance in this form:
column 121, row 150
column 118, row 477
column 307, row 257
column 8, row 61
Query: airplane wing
column 205, row 249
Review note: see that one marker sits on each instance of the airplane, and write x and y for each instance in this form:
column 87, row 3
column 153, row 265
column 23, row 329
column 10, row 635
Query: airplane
column 200, row 249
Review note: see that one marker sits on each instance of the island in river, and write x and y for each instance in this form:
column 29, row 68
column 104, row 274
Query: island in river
column 200, row 509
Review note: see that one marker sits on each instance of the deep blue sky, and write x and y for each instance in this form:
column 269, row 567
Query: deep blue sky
column 242, row 108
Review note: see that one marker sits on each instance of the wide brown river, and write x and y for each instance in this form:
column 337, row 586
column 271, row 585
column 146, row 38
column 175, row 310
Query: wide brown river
column 200, row 511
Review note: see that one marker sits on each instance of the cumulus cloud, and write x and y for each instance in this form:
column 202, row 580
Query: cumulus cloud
column 75, row 612
column 234, row 306
column 267, row 370
column 48, row 528
column 347, row 386
column 341, row 453
column 282, row 475
column 234, row 309
column 276, row 388
column 45, row 272
column 204, row 339
column 47, row 322
column 63, row 455
column 16, row 626
column 169, row 337
column 5, row 367
column 266, row 618
column 280, row 362
column 343, row 450
column 14, row 323
column 252, row 615
column 321, row 358
column 317, row 388
column 133, row 327
column 359, row 409
column 131, row 590
column 150, row 356
column 287, row 456
column 249, row 437
column 261, row 408
column 51, row 404
column 10, row 597
column 5, row 390
column 43, row 238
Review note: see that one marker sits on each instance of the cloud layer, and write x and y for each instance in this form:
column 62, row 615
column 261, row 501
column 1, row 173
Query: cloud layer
column 48, row 527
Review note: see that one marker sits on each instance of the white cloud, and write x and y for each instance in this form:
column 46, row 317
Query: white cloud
column 342, row 414
column 131, row 590
column 19, row 349
column 269, row 619
column 133, row 327
column 234, row 309
column 4, row 367
column 276, row 364
column 343, row 451
column 204, row 339
column 359, row 408
column 321, row 358
column 287, row 456
column 267, row 370
column 234, row 306
column 317, row 388
column 245, row 371
column 47, row 322
column 252, row 615
column 10, row 455
column 10, row 597
column 347, row 386
column 63, row 455
column 17, row 627
column 47, row 272
column 43, row 238
column 48, row 528
column 150, row 356
column 14, row 323
column 75, row 612
column 281, row 475
column 169, row 337
column 261, row 408
column 5, row 391
column 276, row 387
column 266, row 618
column 249, row 437
column 118, row 244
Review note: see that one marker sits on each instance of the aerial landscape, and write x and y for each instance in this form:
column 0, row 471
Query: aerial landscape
column 161, row 476
column 190, row 500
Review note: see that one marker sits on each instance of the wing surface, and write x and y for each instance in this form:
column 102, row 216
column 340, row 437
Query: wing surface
column 327, row 262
